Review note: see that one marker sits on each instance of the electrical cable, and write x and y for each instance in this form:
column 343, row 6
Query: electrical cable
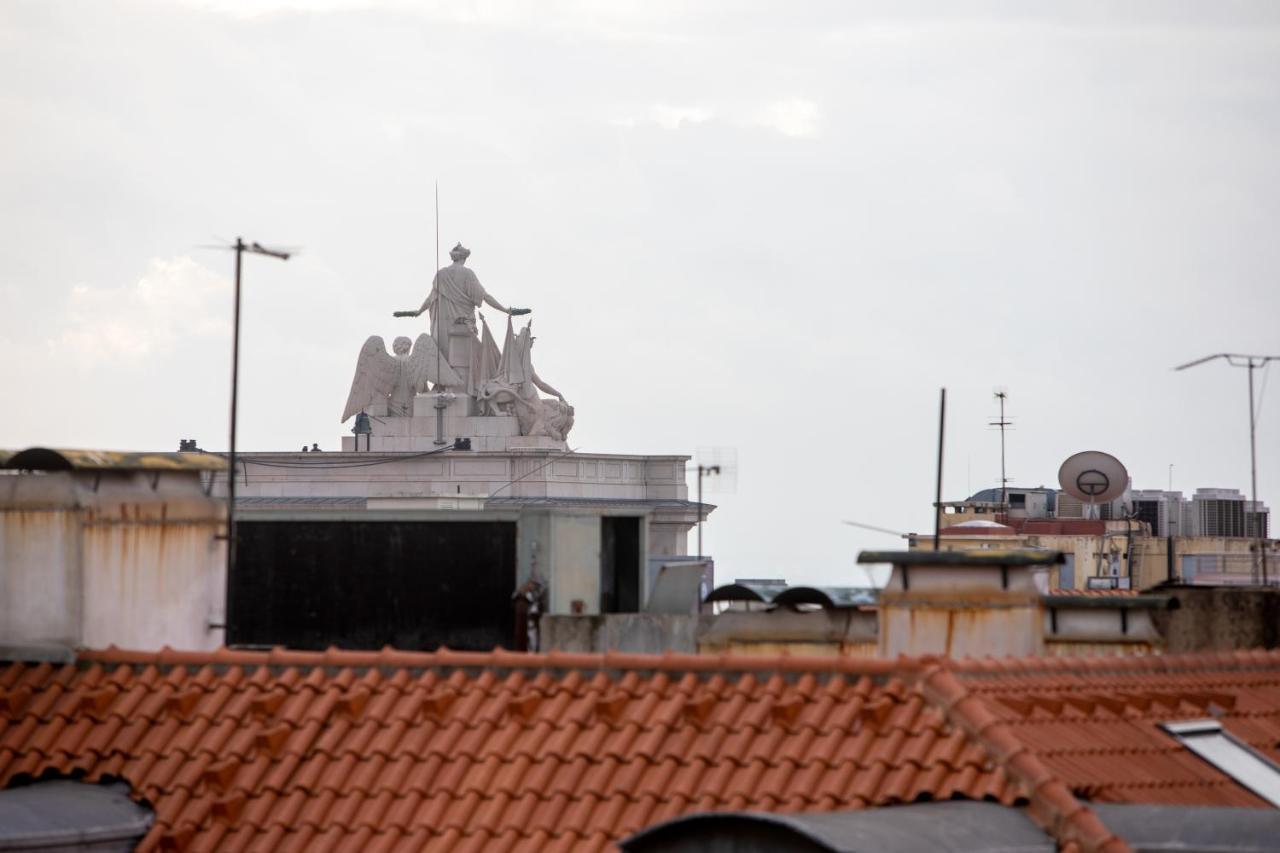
column 535, row 470
column 1257, row 414
column 350, row 463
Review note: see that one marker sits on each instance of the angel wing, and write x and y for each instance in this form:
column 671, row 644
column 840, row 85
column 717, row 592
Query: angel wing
column 423, row 363
column 375, row 376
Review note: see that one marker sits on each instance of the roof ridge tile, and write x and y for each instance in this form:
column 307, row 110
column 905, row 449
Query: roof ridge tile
column 1051, row 802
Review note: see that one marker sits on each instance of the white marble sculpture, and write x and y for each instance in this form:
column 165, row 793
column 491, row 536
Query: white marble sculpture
column 455, row 295
column 464, row 359
column 515, row 389
column 396, row 379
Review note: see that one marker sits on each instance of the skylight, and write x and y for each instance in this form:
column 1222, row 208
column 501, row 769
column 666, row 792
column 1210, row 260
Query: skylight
column 1207, row 739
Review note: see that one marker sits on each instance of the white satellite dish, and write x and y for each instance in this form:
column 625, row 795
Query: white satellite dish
column 1093, row 476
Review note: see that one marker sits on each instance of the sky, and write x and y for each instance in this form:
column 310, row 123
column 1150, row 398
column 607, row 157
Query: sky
column 766, row 230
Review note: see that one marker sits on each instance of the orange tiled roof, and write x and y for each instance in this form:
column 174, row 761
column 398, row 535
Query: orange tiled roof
column 1095, row 593
column 390, row 750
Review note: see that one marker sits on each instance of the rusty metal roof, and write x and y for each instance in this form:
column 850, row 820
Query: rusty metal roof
column 64, row 459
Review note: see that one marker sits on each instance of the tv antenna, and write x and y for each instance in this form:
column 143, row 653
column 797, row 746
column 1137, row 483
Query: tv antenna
column 443, row 398
column 722, row 464
column 240, row 247
column 1252, row 362
column 1003, row 423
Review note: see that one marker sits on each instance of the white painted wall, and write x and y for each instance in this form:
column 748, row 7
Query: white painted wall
column 151, row 585
column 121, row 558
column 575, row 562
column 40, row 591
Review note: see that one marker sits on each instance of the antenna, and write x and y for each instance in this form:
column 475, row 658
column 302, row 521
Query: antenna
column 443, row 398
column 240, row 247
column 722, row 463
column 875, row 529
column 937, row 500
column 1002, row 423
column 433, row 284
column 1252, row 362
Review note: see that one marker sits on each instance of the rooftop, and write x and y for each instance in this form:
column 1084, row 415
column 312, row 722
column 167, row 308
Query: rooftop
column 62, row 459
column 450, row 750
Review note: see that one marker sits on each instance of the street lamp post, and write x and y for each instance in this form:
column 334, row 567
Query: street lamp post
column 240, row 248
column 1252, row 362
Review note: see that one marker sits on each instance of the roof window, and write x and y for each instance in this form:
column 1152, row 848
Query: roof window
column 1235, row 758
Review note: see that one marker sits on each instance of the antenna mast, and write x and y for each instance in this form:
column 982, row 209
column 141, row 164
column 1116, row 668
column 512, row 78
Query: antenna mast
column 436, row 273
column 1004, row 480
column 443, row 398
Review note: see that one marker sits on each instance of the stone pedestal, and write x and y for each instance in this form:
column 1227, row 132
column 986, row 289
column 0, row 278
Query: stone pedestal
column 424, row 406
column 462, row 344
column 418, row 433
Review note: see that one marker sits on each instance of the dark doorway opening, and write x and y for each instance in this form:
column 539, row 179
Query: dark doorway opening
column 619, row 564
column 369, row 584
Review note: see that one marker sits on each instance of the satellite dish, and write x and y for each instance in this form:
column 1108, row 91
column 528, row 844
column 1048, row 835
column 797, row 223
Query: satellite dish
column 1093, row 476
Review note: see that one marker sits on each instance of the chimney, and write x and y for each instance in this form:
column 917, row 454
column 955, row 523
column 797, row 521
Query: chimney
column 963, row 603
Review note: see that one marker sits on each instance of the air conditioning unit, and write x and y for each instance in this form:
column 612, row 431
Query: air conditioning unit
column 1068, row 507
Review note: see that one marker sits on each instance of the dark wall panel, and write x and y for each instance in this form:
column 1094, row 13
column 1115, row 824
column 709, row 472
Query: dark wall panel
column 619, row 564
column 366, row 584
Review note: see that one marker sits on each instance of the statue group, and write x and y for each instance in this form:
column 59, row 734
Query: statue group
column 459, row 356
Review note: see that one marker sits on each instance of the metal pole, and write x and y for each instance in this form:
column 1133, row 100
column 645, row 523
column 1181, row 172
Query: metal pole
column 1253, row 474
column 1004, row 480
column 441, row 404
column 937, row 503
column 699, row 512
column 231, row 473
column 435, row 333
column 1252, row 362
column 1128, row 545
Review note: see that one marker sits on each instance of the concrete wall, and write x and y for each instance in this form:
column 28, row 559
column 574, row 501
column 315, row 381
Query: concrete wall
column 575, row 562
column 854, row 632
column 1150, row 565
column 959, row 626
column 1099, row 625
column 668, row 535
column 125, row 558
column 842, row 631
column 531, row 473
column 962, row 611
column 40, row 591
column 648, row 633
column 1220, row 618
column 150, row 585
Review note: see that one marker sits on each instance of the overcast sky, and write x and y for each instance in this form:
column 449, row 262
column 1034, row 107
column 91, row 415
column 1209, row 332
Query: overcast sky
column 773, row 227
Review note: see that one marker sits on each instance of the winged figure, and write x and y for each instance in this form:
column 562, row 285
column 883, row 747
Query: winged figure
column 514, row 388
column 397, row 378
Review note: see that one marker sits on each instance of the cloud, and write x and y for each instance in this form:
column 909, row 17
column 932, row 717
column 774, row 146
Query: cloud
column 671, row 118
column 176, row 299
column 667, row 117
column 794, row 117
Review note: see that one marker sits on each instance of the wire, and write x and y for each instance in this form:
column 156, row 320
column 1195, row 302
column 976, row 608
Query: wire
column 350, row 463
column 1266, row 372
column 535, row 470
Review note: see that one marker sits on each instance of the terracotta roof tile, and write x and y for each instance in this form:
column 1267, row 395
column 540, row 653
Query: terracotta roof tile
column 397, row 751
